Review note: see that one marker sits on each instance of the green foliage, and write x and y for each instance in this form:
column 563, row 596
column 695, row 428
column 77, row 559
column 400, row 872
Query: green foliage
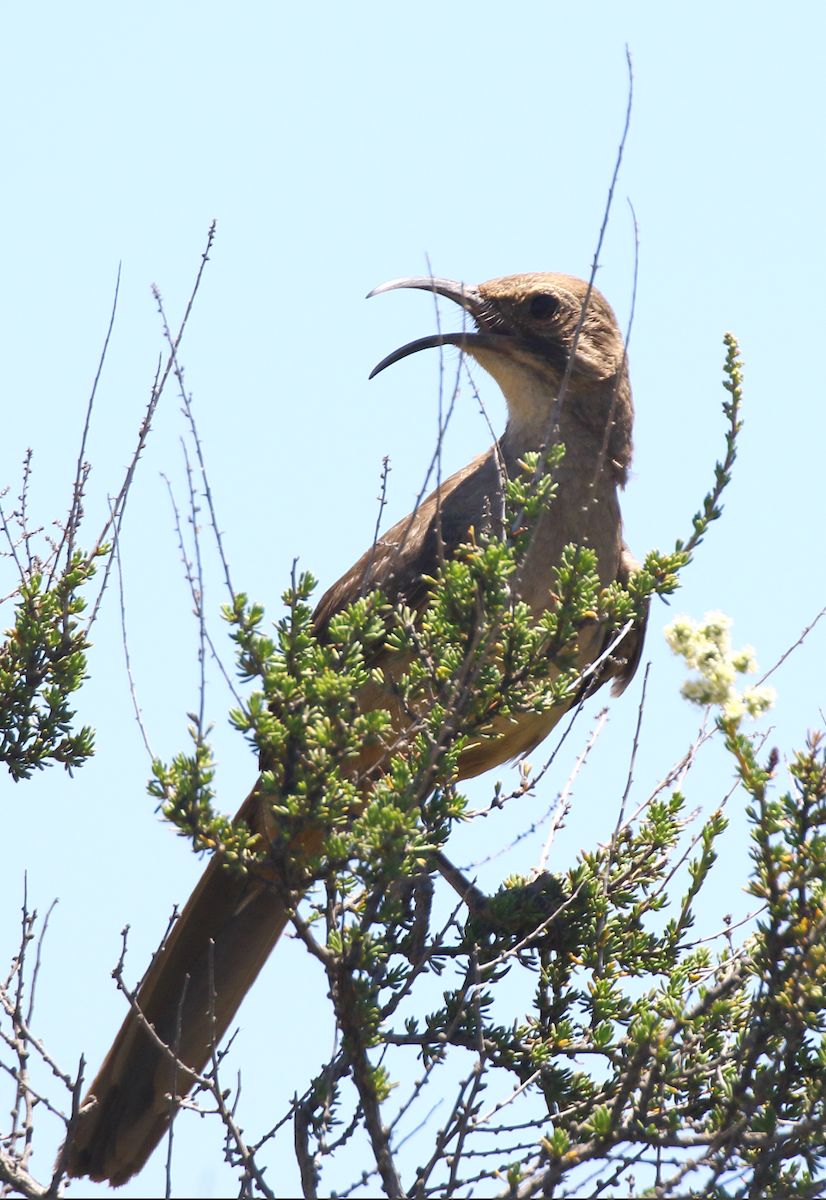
column 711, row 510
column 42, row 662
column 530, row 493
column 640, row 1046
column 473, row 657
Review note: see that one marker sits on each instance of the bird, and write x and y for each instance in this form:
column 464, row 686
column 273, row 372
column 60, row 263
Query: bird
column 532, row 333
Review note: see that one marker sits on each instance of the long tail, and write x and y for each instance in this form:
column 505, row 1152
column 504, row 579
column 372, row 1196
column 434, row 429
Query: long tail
column 243, row 919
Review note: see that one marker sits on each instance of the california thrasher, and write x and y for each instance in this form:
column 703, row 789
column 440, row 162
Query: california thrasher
column 523, row 337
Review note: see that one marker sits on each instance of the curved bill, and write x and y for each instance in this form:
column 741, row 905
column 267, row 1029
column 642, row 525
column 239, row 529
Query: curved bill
column 459, row 293
column 465, row 341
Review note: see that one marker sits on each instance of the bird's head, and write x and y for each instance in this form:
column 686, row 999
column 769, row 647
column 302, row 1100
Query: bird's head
column 525, row 326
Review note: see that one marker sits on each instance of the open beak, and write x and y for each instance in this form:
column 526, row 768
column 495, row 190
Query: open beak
column 466, row 297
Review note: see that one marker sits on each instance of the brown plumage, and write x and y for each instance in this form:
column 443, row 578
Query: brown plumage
column 524, row 331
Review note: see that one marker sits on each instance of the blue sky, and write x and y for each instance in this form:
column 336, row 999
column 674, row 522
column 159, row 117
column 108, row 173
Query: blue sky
column 336, row 146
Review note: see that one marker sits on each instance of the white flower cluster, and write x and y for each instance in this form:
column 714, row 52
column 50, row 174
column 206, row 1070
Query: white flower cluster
column 706, row 647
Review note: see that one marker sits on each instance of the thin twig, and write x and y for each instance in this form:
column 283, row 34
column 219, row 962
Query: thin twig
column 799, row 642
column 196, row 437
column 563, row 804
column 115, row 520
column 81, row 472
column 174, row 1102
column 382, row 499
column 483, row 1120
column 439, row 542
column 436, row 458
column 188, row 575
column 609, row 858
column 197, row 586
column 609, row 424
column 552, row 435
column 132, row 689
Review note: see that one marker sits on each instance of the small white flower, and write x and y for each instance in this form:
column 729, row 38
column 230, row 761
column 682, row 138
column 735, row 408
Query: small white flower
column 758, row 699
column 706, row 647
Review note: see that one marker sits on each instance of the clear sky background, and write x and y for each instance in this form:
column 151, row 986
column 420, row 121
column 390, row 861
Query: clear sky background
column 336, row 145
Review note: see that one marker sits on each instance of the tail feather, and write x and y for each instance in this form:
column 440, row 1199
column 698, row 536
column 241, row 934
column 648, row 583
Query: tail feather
column 240, row 919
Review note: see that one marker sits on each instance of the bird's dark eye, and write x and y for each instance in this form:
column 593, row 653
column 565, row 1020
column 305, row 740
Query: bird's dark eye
column 544, row 307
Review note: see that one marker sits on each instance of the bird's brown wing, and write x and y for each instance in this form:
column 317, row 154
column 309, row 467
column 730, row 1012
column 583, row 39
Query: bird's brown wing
column 410, row 551
column 401, row 558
